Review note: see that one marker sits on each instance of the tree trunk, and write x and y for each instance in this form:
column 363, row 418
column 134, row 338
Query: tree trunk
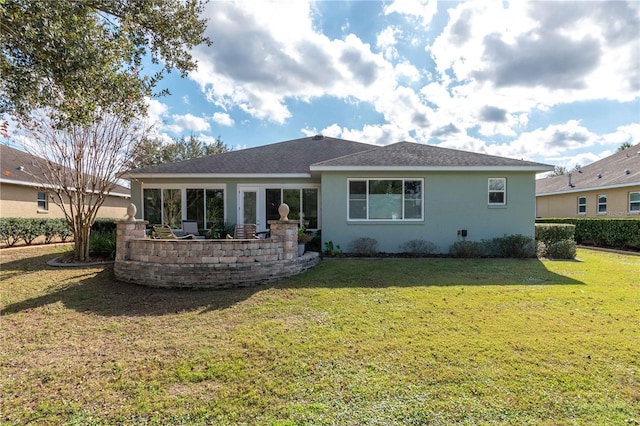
column 81, row 234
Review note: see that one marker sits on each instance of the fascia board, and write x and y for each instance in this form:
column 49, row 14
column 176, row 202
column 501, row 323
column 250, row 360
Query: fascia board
column 537, row 169
column 215, row 175
column 49, row 186
column 593, row 188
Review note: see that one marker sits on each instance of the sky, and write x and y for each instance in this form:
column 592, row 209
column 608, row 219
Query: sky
column 547, row 81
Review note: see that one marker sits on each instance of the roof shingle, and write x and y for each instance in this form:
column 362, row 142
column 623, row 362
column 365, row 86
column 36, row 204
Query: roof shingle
column 607, row 172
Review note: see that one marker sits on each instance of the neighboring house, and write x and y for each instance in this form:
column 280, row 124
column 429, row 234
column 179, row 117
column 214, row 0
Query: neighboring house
column 394, row 193
column 610, row 187
column 22, row 195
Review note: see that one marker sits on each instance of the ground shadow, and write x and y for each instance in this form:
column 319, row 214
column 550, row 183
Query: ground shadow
column 100, row 293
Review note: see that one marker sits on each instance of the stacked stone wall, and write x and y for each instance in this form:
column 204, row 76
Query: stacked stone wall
column 208, row 263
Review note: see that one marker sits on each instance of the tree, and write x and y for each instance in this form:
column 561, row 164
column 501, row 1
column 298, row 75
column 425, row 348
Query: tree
column 78, row 57
column 559, row 171
column 624, row 146
column 81, row 165
column 149, row 152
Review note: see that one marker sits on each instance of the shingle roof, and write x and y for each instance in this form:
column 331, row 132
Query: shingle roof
column 289, row 157
column 403, row 155
column 20, row 168
column 610, row 171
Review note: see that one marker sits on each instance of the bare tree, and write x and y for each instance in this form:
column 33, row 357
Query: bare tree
column 81, row 165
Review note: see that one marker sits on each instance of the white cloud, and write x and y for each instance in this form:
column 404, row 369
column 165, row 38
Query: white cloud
column 424, row 10
column 223, row 119
column 188, row 123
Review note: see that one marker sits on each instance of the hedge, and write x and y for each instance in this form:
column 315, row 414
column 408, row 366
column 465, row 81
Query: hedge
column 14, row 229
column 614, row 233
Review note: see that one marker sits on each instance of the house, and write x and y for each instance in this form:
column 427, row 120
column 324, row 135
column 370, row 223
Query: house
column 394, row 193
column 610, row 187
column 22, row 195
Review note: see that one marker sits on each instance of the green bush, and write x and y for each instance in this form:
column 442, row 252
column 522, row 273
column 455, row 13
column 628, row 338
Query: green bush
column 603, row 232
column 9, row 231
column 565, row 249
column 418, row 247
column 512, row 246
column 14, row 229
column 549, row 233
column 102, row 243
column 364, row 246
column 104, row 225
column 467, row 249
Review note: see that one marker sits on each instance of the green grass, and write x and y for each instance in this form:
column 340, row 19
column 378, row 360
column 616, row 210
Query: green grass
column 351, row 342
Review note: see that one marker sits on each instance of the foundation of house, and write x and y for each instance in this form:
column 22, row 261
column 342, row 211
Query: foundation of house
column 219, row 264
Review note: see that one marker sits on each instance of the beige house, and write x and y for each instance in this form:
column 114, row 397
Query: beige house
column 609, row 187
column 22, row 196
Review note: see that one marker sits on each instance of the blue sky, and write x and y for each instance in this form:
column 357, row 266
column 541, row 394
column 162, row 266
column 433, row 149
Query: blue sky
column 555, row 82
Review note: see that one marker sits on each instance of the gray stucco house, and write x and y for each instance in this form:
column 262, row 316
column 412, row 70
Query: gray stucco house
column 393, row 193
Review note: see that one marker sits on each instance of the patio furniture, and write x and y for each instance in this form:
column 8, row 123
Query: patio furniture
column 246, row 231
column 165, row 232
column 190, row 227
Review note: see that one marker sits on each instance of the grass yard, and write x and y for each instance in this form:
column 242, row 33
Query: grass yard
column 351, row 342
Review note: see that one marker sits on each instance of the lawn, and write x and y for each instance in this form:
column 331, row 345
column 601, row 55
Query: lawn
column 353, row 341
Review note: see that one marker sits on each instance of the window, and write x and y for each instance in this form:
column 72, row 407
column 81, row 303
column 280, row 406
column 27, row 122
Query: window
column 165, row 206
column 582, row 205
column 602, row 204
column 497, row 191
column 302, row 202
column 205, row 206
column 385, row 199
column 634, row 202
column 43, row 205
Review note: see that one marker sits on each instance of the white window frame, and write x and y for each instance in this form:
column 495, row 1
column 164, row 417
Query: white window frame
column 582, row 204
column 600, row 203
column 634, row 203
column 402, row 219
column 183, row 195
column 44, row 200
column 503, row 191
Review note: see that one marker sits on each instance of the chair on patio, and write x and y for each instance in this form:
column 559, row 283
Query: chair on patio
column 246, row 231
column 164, row 232
column 190, row 227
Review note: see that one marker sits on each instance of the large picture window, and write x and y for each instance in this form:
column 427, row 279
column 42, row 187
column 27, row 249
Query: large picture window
column 385, row 199
column 497, row 191
column 165, row 206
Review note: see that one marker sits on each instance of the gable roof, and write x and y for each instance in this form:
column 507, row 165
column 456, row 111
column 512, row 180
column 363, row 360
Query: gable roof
column 20, row 168
column 291, row 158
column 609, row 172
column 415, row 156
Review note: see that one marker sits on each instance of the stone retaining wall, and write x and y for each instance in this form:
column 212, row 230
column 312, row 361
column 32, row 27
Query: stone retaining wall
column 208, row 263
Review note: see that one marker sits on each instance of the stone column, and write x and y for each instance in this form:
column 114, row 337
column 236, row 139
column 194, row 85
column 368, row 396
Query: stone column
column 286, row 233
column 125, row 231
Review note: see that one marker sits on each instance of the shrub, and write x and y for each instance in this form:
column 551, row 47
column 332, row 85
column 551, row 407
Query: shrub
column 516, row 246
column 550, row 233
column 10, row 231
column 364, row 246
column 104, row 225
column 29, row 230
column 565, row 249
column 467, row 249
column 418, row 247
column 331, row 250
column 221, row 230
column 617, row 233
column 102, row 243
column 316, row 242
